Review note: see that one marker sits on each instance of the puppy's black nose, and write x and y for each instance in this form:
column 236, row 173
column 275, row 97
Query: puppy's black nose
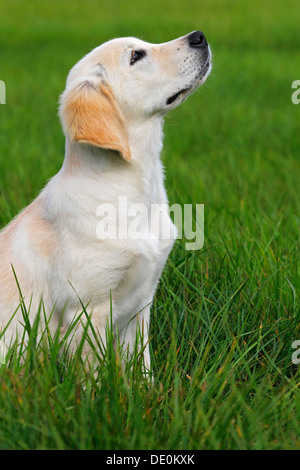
column 197, row 40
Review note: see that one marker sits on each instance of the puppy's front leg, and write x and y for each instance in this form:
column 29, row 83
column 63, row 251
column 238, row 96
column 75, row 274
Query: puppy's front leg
column 86, row 333
column 135, row 337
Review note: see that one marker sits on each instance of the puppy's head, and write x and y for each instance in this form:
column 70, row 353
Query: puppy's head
column 125, row 81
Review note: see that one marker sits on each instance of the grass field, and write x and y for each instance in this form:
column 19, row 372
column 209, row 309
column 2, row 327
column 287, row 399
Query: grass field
column 224, row 318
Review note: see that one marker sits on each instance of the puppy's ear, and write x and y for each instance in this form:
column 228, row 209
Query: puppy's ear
column 90, row 114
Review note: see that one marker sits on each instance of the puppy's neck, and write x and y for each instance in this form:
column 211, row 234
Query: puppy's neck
column 145, row 139
column 145, row 142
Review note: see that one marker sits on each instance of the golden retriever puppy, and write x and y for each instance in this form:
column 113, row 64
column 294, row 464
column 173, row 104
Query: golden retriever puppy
column 80, row 239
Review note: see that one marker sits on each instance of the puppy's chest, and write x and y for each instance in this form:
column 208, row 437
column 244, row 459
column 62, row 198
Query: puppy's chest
column 149, row 257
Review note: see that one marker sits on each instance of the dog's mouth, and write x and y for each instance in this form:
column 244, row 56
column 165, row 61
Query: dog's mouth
column 174, row 97
column 199, row 76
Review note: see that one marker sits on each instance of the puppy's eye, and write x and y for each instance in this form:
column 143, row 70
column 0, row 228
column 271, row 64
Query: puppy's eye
column 136, row 55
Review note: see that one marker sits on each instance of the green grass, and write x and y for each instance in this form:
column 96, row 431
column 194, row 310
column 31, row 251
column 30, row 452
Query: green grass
column 224, row 318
